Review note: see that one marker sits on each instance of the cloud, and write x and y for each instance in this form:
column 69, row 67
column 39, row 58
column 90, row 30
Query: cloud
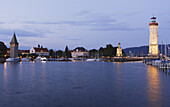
column 98, row 20
column 82, row 13
column 2, row 22
column 62, row 36
column 115, row 27
column 67, row 38
column 21, row 33
column 24, row 33
column 72, row 39
column 133, row 13
column 93, row 21
column 44, row 23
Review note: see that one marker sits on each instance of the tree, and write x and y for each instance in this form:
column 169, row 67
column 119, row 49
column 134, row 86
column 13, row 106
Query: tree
column 108, row 51
column 3, row 49
column 101, row 50
column 59, row 53
column 67, row 53
column 93, row 53
column 52, row 53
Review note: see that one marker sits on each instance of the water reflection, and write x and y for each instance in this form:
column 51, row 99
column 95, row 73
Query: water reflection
column 154, row 86
column 20, row 71
column 5, row 74
column 5, row 70
column 119, row 80
column 119, row 72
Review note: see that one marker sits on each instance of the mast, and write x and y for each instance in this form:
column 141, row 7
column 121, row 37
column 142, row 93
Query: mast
column 165, row 47
column 162, row 47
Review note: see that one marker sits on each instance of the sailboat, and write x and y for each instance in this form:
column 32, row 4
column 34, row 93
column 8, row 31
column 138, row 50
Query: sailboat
column 166, row 58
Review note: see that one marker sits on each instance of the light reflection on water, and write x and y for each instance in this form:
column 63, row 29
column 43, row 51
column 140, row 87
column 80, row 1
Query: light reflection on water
column 154, row 86
column 85, row 84
column 5, row 70
column 5, row 75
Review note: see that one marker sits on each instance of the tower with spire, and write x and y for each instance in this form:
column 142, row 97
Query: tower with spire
column 153, row 40
column 14, row 47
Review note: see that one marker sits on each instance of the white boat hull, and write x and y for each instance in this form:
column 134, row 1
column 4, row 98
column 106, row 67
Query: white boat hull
column 12, row 60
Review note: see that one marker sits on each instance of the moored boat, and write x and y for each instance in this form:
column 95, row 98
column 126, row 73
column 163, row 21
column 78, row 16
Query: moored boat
column 91, row 59
column 25, row 59
column 13, row 60
column 39, row 58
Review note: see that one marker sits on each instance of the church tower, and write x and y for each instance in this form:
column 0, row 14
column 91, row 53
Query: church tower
column 14, row 47
column 153, row 40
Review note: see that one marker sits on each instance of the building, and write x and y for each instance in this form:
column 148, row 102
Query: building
column 24, row 52
column 14, row 47
column 119, row 51
column 153, row 40
column 79, row 52
column 40, row 51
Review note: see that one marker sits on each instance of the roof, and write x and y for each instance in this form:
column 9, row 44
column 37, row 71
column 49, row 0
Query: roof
column 153, row 23
column 79, row 49
column 22, row 51
column 40, row 49
column 14, row 39
column 153, row 17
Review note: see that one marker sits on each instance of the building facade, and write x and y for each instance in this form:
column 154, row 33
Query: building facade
column 14, row 47
column 40, row 51
column 79, row 52
column 153, row 40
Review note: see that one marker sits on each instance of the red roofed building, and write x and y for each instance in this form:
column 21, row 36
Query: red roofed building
column 40, row 51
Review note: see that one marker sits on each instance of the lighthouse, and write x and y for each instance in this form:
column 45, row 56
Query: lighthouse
column 153, row 40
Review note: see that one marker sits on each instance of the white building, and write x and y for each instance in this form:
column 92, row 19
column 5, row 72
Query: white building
column 79, row 52
column 40, row 51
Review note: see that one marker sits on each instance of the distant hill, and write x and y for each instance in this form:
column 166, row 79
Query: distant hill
column 144, row 50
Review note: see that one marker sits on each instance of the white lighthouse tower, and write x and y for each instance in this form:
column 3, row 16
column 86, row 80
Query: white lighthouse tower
column 153, row 40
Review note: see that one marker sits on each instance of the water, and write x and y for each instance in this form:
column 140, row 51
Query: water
column 83, row 84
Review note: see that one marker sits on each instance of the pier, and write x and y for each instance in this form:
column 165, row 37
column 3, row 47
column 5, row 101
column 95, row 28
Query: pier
column 162, row 65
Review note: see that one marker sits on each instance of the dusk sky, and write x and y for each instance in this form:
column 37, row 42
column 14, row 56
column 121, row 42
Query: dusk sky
column 88, row 23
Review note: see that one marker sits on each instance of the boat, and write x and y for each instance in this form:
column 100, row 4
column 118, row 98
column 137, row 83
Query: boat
column 91, row 59
column 25, row 59
column 78, row 59
column 39, row 58
column 13, row 60
column 43, row 59
column 156, row 63
column 64, row 59
column 164, row 65
column 51, row 59
column 98, row 59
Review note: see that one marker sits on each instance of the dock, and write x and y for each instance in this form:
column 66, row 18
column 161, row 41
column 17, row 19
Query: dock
column 162, row 65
